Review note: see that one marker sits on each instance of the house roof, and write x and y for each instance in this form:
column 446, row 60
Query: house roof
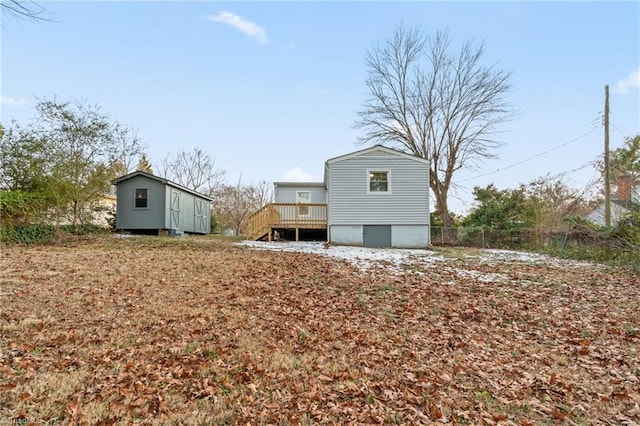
column 299, row 184
column 161, row 180
column 382, row 149
column 629, row 205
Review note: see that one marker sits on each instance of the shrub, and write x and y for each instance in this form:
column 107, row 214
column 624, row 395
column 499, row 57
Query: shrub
column 85, row 229
column 26, row 234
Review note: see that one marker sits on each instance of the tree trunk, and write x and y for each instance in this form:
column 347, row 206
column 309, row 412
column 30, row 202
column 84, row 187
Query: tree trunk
column 442, row 207
column 75, row 213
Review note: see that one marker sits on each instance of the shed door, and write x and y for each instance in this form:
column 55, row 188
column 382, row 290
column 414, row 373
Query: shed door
column 376, row 235
column 200, row 217
column 174, row 210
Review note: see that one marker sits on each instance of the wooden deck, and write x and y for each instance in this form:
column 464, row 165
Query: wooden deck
column 262, row 223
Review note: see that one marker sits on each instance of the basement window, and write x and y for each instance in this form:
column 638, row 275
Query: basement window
column 141, row 198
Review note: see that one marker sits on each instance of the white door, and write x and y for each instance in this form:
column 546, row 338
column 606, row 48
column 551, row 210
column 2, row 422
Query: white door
column 303, row 197
column 174, row 213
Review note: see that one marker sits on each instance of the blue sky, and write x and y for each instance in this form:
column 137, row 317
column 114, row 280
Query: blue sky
column 271, row 89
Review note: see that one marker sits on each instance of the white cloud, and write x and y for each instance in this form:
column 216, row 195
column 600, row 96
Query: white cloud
column 632, row 80
column 289, row 45
column 297, row 175
column 249, row 28
column 7, row 100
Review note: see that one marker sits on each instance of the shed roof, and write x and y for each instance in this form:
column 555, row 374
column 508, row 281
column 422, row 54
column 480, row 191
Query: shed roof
column 161, row 180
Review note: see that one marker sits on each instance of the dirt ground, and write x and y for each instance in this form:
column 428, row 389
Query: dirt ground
column 200, row 331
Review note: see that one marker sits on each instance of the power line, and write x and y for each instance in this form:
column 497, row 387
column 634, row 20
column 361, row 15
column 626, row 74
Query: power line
column 532, row 157
column 577, row 169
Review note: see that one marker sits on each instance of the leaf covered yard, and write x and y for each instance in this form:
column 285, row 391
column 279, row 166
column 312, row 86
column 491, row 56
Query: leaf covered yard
column 199, row 331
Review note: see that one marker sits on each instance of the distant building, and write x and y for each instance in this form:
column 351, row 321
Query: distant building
column 625, row 200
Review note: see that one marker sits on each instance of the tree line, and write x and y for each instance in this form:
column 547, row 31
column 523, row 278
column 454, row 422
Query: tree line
column 59, row 167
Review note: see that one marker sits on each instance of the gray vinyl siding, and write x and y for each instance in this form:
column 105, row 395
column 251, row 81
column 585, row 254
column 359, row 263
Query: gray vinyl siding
column 157, row 214
column 187, row 210
column 129, row 217
column 376, row 153
column 287, row 194
column 407, row 203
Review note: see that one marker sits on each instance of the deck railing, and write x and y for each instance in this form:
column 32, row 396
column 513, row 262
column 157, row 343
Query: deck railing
column 286, row 216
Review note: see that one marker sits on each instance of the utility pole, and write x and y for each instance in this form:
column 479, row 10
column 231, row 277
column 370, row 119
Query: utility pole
column 607, row 186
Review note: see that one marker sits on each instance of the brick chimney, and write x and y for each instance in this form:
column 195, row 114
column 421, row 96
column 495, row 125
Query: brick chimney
column 624, row 188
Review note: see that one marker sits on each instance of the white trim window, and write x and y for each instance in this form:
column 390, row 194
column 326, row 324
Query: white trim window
column 141, row 198
column 378, row 181
column 303, row 197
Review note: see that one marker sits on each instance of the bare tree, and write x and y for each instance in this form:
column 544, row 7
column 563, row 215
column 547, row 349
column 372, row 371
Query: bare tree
column 232, row 205
column 435, row 105
column 550, row 199
column 194, row 169
column 129, row 149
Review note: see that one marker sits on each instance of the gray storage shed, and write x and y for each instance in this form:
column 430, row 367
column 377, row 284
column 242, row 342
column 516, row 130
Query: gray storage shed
column 148, row 203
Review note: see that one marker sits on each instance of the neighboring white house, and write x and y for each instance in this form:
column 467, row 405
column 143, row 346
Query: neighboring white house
column 148, row 203
column 375, row 197
column 624, row 201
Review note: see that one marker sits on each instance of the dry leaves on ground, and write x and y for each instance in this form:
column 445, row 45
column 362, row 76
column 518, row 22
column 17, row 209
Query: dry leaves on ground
column 194, row 331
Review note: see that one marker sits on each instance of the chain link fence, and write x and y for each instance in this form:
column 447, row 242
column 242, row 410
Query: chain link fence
column 498, row 238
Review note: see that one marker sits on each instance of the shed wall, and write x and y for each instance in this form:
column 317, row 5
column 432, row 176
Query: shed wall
column 129, row 217
column 187, row 211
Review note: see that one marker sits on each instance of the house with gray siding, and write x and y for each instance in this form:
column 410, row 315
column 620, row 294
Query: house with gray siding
column 148, row 203
column 375, row 197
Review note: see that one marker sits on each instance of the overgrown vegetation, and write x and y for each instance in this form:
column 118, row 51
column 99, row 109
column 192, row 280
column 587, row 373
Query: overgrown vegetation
column 43, row 233
column 617, row 245
column 26, row 234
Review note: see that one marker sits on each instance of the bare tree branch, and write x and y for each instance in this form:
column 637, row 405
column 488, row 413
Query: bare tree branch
column 194, row 169
column 24, row 9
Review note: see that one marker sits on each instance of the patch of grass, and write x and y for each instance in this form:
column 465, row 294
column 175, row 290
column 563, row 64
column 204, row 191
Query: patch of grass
column 483, row 395
column 211, row 354
column 383, row 289
column 226, row 238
